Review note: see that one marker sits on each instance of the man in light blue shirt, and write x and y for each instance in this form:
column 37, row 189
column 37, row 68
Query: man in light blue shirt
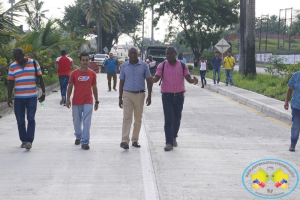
column 181, row 58
column 294, row 85
column 111, row 65
column 132, row 81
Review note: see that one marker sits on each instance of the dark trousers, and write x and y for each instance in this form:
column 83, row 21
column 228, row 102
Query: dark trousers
column 295, row 126
column 173, row 106
column 29, row 105
column 64, row 81
column 202, row 74
column 114, row 76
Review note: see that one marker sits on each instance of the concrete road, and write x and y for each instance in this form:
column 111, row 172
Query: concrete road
column 218, row 139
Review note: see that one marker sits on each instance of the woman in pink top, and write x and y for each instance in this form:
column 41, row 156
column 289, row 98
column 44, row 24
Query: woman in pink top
column 172, row 74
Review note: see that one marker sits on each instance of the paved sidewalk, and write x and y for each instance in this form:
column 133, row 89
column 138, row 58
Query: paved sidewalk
column 266, row 105
column 218, row 139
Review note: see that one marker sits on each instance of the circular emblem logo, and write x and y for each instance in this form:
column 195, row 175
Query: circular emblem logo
column 270, row 178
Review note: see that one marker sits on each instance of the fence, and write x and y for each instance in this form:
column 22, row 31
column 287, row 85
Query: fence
column 265, row 57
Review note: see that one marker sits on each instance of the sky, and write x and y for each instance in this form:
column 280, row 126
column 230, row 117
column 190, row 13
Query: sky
column 263, row 7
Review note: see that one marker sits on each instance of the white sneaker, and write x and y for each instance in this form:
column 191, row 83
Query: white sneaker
column 217, row 84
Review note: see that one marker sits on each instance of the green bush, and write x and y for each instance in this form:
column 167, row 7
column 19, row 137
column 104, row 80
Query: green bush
column 191, row 67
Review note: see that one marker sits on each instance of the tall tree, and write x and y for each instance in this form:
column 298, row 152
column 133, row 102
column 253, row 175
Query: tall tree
column 35, row 14
column 103, row 12
column 202, row 21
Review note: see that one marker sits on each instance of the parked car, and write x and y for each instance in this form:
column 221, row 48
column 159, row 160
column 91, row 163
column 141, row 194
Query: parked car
column 100, row 58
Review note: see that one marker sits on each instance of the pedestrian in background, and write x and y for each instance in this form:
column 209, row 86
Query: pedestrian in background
column 216, row 62
column 172, row 74
column 229, row 63
column 111, row 65
column 294, row 85
column 132, row 81
column 64, row 65
column 181, row 58
column 85, row 81
column 203, row 69
column 24, row 73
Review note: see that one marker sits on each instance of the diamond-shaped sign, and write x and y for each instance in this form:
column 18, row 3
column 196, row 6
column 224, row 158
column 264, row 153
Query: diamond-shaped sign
column 222, row 45
column 105, row 50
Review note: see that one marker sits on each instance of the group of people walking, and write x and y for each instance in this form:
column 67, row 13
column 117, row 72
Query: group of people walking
column 132, row 88
column 25, row 73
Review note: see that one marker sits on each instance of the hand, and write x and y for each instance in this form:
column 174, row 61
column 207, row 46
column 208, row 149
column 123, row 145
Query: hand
column 195, row 80
column 121, row 103
column 68, row 104
column 148, row 101
column 286, row 105
column 42, row 98
column 96, row 106
column 9, row 102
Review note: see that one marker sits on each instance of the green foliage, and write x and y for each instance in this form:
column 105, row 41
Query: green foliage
column 191, row 67
column 202, row 21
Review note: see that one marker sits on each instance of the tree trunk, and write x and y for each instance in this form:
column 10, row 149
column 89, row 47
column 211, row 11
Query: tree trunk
column 242, row 37
column 250, row 60
column 99, row 44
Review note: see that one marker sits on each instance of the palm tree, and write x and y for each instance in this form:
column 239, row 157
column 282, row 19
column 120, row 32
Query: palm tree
column 35, row 14
column 103, row 12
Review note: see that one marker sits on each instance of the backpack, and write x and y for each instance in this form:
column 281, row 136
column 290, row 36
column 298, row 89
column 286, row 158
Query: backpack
column 162, row 74
column 37, row 79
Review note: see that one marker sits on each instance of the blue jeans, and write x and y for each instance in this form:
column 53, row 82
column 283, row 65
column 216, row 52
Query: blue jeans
column 219, row 74
column 82, row 115
column 202, row 74
column 296, row 125
column 20, row 105
column 173, row 106
column 64, row 81
column 228, row 73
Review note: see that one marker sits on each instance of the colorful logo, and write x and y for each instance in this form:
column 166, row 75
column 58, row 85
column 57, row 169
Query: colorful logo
column 270, row 179
column 83, row 78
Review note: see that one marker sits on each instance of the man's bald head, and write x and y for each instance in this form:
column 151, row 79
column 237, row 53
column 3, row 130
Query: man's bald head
column 19, row 56
column 133, row 49
column 171, row 49
column 133, row 55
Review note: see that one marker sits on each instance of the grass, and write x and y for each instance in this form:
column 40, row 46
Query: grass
column 265, row 84
column 49, row 79
column 272, row 45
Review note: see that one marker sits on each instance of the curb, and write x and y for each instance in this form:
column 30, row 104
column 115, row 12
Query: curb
column 5, row 110
column 266, row 109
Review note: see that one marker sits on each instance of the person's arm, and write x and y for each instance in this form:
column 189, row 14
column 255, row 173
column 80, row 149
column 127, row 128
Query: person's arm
column 69, row 92
column 57, row 67
column 95, row 92
column 149, row 87
column 72, row 66
column 191, row 80
column 121, row 85
column 288, row 96
column 10, row 89
column 42, row 84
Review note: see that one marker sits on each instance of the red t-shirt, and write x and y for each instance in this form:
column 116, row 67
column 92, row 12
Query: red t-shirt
column 64, row 65
column 83, row 83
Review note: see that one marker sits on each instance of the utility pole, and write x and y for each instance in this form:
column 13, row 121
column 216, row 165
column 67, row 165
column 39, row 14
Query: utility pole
column 284, row 28
column 278, row 46
column 259, row 43
column 152, row 27
column 267, row 31
column 290, row 37
column 242, row 63
column 143, row 32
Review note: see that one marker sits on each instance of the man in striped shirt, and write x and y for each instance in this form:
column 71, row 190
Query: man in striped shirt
column 23, row 73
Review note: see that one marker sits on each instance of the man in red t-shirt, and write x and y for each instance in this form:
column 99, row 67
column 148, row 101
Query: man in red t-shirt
column 64, row 65
column 84, row 80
